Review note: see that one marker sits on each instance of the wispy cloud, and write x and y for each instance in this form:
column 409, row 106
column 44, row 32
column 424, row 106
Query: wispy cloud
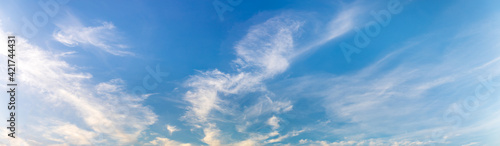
column 396, row 93
column 282, row 137
column 274, row 122
column 265, row 51
column 57, row 91
column 212, row 134
column 159, row 141
column 68, row 133
column 258, row 60
column 371, row 142
column 171, row 129
column 72, row 32
column 471, row 144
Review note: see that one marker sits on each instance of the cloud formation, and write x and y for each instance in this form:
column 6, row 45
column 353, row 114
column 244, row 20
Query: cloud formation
column 409, row 98
column 57, row 91
column 159, row 141
column 171, row 129
column 265, row 51
column 71, row 32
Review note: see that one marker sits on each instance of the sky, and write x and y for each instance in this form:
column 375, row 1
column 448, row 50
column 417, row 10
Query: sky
column 252, row 73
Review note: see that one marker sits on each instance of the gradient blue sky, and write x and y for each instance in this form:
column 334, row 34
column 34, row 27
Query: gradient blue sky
column 267, row 73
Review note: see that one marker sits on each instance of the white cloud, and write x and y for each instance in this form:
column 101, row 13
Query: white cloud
column 266, row 62
column 274, row 122
column 73, row 33
column 247, row 143
column 403, row 93
column 7, row 141
column 339, row 25
column 266, row 106
column 159, row 141
column 267, row 46
column 471, row 144
column 58, row 91
column 265, row 51
column 282, row 137
column 395, row 94
column 69, row 134
column 171, row 129
column 371, row 142
column 211, row 135
column 257, row 139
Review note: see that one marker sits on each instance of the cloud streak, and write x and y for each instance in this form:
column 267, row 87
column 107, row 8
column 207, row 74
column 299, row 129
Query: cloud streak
column 407, row 97
column 72, row 32
column 57, row 91
column 265, row 51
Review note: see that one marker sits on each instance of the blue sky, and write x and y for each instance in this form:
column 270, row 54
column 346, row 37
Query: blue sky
column 326, row 73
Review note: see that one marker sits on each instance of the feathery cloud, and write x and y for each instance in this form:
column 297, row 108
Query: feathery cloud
column 58, row 91
column 73, row 33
